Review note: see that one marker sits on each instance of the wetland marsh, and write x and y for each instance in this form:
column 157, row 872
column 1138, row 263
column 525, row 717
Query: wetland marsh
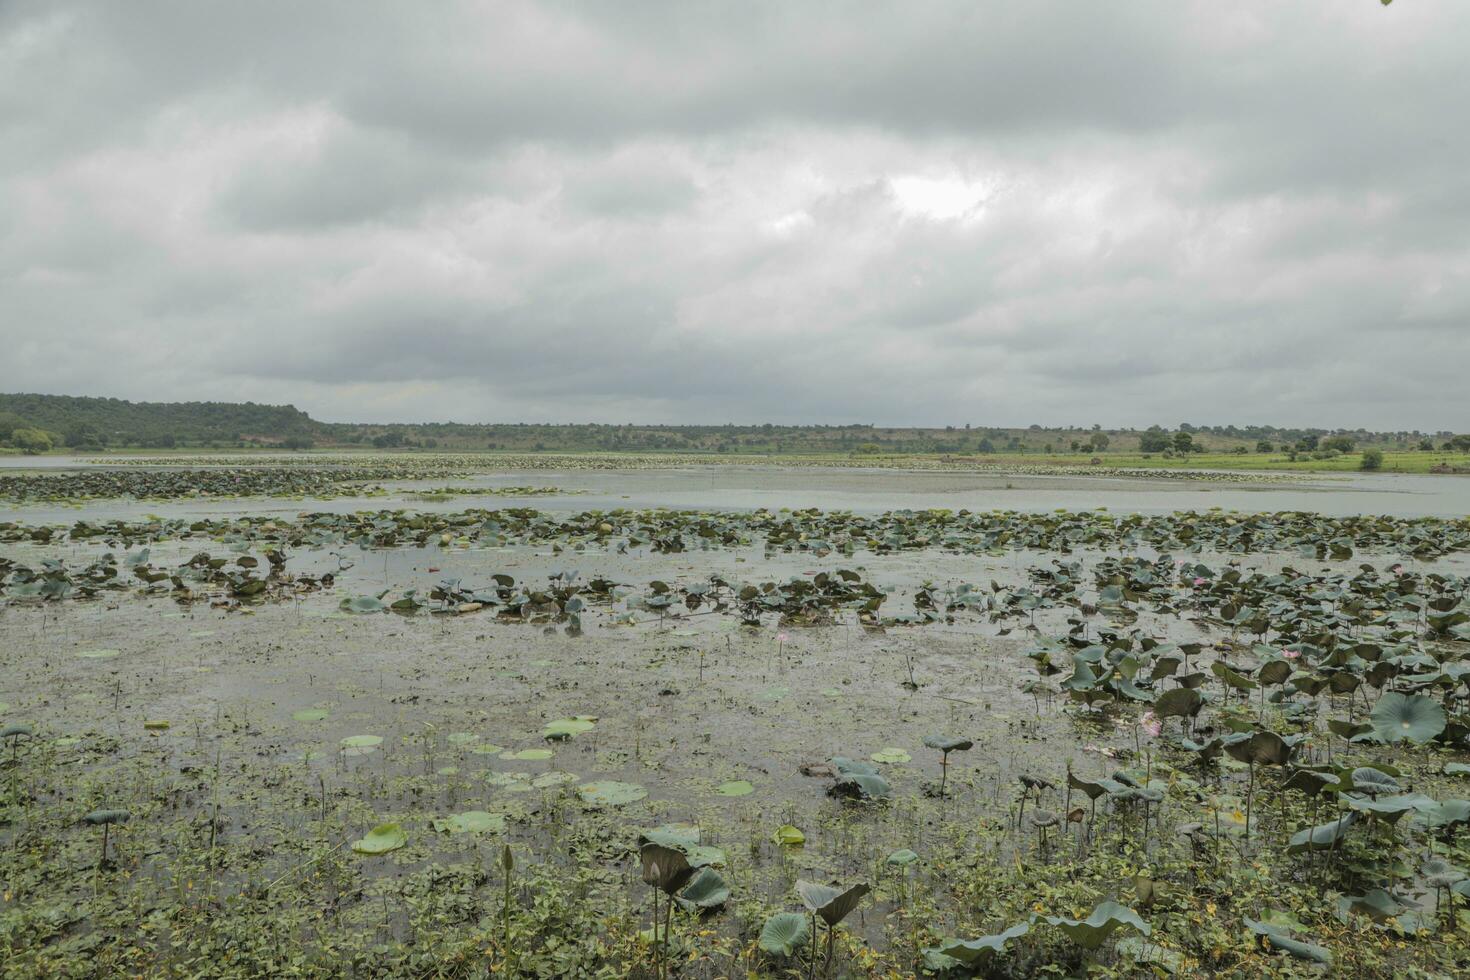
column 381, row 736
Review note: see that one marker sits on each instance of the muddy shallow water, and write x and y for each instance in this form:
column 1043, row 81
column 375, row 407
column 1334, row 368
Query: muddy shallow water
column 223, row 730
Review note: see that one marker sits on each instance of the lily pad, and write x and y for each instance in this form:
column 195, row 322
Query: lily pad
column 361, row 744
column 737, row 787
column 471, row 822
column 528, row 755
column 565, row 728
column 310, row 714
column 98, row 654
column 610, row 792
column 381, row 839
column 788, row 836
column 891, row 754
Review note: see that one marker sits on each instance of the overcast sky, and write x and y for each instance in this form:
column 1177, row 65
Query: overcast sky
column 916, row 213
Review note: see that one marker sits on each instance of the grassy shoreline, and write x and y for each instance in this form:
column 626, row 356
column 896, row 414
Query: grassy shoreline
column 1393, row 462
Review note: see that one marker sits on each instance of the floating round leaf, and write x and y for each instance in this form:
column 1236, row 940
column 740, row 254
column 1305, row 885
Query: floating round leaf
column 788, row 836
column 361, row 744
column 737, row 787
column 553, row 778
column 310, row 714
column 610, row 792
column 891, row 754
column 471, row 822
column 381, row 839
column 565, row 728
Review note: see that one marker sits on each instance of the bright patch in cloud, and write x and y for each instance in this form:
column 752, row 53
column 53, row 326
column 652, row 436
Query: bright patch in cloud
column 942, row 198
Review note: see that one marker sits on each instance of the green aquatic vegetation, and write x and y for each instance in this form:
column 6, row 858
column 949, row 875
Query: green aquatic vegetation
column 1412, row 717
column 666, row 870
column 105, row 819
column 784, row 933
column 831, row 905
column 946, row 745
column 610, row 792
column 381, row 839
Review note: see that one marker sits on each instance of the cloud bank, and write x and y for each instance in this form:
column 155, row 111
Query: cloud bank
column 920, row 213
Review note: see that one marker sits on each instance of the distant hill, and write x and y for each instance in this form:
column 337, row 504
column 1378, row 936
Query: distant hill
column 98, row 422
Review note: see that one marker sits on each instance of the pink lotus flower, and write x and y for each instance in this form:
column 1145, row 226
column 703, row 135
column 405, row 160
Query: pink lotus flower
column 1199, row 581
column 782, row 638
column 1291, row 654
column 1151, row 724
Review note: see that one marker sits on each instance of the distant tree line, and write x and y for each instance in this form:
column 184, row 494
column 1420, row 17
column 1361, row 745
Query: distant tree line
column 36, row 423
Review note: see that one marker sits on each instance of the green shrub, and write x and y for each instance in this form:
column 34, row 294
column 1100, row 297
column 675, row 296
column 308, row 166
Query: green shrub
column 1372, row 460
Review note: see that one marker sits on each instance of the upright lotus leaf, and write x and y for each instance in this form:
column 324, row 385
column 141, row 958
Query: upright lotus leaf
column 1366, row 779
column 978, row 952
column 99, row 818
column 1407, row 717
column 665, row 868
column 1093, row 931
column 707, row 890
column 1311, row 782
column 1266, row 748
column 829, row 903
column 784, row 933
column 948, row 745
column 362, row 605
column 1446, row 813
column 1279, row 938
column 902, row 858
column 1179, row 702
column 1322, row 837
column 1439, row 873
column 1389, row 808
column 1231, row 677
column 684, row 838
column 381, row 839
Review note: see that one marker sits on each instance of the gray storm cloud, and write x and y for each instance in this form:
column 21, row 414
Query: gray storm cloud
column 912, row 213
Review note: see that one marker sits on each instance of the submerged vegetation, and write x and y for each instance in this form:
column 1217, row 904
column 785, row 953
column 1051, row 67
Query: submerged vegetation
column 707, row 743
